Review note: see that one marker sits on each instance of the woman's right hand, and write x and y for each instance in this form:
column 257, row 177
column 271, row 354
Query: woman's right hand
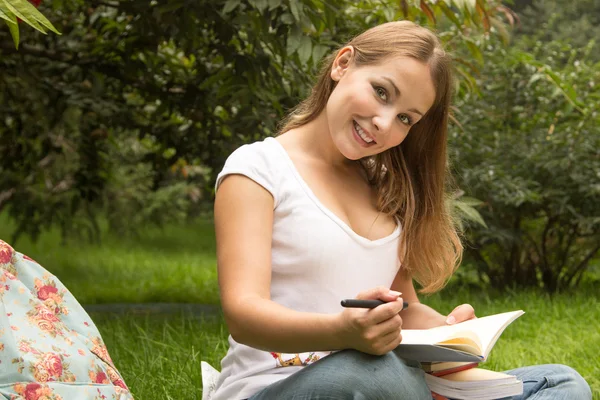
column 374, row 331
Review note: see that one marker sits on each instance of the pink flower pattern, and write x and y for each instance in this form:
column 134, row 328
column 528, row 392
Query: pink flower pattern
column 47, row 340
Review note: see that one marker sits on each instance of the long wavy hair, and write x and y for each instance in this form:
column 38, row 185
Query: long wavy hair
column 411, row 179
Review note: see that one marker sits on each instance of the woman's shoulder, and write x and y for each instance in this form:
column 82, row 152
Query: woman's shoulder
column 261, row 150
column 260, row 161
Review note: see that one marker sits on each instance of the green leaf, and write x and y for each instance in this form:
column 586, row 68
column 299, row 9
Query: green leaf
column 501, row 28
column 562, row 87
column 260, row 5
column 294, row 40
column 534, row 78
column 470, row 201
column 471, row 6
column 215, row 78
column 475, row 50
column 449, row 13
column 318, row 52
column 330, row 16
column 305, row 49
column 273, row 4
column 14, row 31
column 29, row 14
column 171, row 6
column 469, row 213
column 11, row 21
column 295, row 8
column 230, row 6
column 287, row 18
column 389, row 13
column 5, row 14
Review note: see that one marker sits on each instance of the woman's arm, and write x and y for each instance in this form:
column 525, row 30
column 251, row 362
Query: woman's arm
column 243, row 226
column 420, row 316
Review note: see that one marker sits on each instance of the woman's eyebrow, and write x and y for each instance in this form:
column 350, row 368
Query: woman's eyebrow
column 391, row 82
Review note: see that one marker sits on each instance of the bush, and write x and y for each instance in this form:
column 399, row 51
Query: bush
column 529, row 148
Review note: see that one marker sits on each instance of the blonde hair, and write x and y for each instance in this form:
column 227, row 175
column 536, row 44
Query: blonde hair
column 411, row 178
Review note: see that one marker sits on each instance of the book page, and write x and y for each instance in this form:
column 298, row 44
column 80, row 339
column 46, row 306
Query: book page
column 487, row 329
column 466, row 341
column 491, row 327
column 476, row 384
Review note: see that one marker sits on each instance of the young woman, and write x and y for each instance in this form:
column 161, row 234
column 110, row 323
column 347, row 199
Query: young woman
column 347, row 202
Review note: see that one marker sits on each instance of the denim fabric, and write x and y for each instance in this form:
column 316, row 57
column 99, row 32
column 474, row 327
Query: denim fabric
column 350, row 374
column 551, row 382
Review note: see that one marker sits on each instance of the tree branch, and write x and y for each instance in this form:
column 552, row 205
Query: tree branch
column 570, row 241
column 544, row 254
column 481, row 261
column 583, row 264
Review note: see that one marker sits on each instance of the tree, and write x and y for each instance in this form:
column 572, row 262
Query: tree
column 577, row 22
column 129, row 112
column 529, row 150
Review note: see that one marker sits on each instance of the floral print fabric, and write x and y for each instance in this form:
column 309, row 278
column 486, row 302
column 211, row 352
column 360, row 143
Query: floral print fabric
column 49, row 347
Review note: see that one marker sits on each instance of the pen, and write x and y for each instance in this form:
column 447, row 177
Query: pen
column 354, row 303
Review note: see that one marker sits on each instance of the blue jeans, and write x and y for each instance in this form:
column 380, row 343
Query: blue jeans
column 350, row 374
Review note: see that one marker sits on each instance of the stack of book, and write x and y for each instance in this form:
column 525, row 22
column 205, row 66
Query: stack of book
column 450, row 356
column 465, row 381
column 447, row 367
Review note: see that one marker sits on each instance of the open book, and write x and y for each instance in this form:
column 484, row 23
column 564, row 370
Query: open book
column 475, row 383
column 466, row 341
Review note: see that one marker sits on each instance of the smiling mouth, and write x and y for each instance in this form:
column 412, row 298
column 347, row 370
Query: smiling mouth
column 363, row 134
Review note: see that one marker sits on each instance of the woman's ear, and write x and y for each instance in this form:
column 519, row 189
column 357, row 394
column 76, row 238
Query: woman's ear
column 342, row 62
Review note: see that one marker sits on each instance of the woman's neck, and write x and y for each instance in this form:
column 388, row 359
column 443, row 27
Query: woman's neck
column 314, row 140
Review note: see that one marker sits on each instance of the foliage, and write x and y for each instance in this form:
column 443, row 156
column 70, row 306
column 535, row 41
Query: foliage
column 529, row 148
column 138, row 103
column 577, row 22
column 15, row 11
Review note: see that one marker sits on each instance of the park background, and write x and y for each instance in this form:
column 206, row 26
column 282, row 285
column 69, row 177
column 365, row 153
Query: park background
column 112, row 133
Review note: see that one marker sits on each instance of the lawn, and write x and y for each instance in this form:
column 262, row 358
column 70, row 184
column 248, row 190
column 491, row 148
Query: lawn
column 159, row 355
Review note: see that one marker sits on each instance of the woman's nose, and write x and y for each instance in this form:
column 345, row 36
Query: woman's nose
column 383, row 122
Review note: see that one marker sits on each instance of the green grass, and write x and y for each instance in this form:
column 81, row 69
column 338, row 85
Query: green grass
column 159, row 355
column 174, row 264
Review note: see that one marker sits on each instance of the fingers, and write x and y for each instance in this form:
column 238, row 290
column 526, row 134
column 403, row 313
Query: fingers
column 377, row 330
column 461, row 313
column 380, row 292
column 386, row 311
column 392, row 325
column 388, row 343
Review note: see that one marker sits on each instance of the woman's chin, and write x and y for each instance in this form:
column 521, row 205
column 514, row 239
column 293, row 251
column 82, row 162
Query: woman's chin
column 347, row 150
column 354, row 152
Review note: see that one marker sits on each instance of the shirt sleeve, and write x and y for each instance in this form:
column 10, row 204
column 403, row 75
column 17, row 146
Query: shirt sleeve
column 252, row 161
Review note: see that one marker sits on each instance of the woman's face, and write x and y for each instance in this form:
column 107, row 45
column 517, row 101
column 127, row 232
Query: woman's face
column 373, row 107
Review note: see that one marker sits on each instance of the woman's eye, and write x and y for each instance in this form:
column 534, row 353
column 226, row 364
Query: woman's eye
column 381, row 93
column 405, row 119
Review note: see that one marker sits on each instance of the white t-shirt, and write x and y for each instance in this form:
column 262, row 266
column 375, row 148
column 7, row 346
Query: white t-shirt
column 316, row 261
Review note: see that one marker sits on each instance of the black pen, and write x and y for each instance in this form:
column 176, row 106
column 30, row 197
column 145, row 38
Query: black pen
column 354, row 303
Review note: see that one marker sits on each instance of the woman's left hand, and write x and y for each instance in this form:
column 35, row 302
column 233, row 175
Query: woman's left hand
column 462, row 313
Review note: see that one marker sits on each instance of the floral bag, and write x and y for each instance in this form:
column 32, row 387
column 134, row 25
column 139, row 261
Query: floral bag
column 49, row 347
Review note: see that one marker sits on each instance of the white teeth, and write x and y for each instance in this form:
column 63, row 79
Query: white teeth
column 362, row 133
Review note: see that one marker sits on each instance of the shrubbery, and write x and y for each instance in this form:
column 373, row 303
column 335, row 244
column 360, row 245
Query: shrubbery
column 530, row 150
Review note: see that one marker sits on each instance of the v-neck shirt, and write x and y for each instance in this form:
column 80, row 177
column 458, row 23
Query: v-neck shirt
column 316, row 261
